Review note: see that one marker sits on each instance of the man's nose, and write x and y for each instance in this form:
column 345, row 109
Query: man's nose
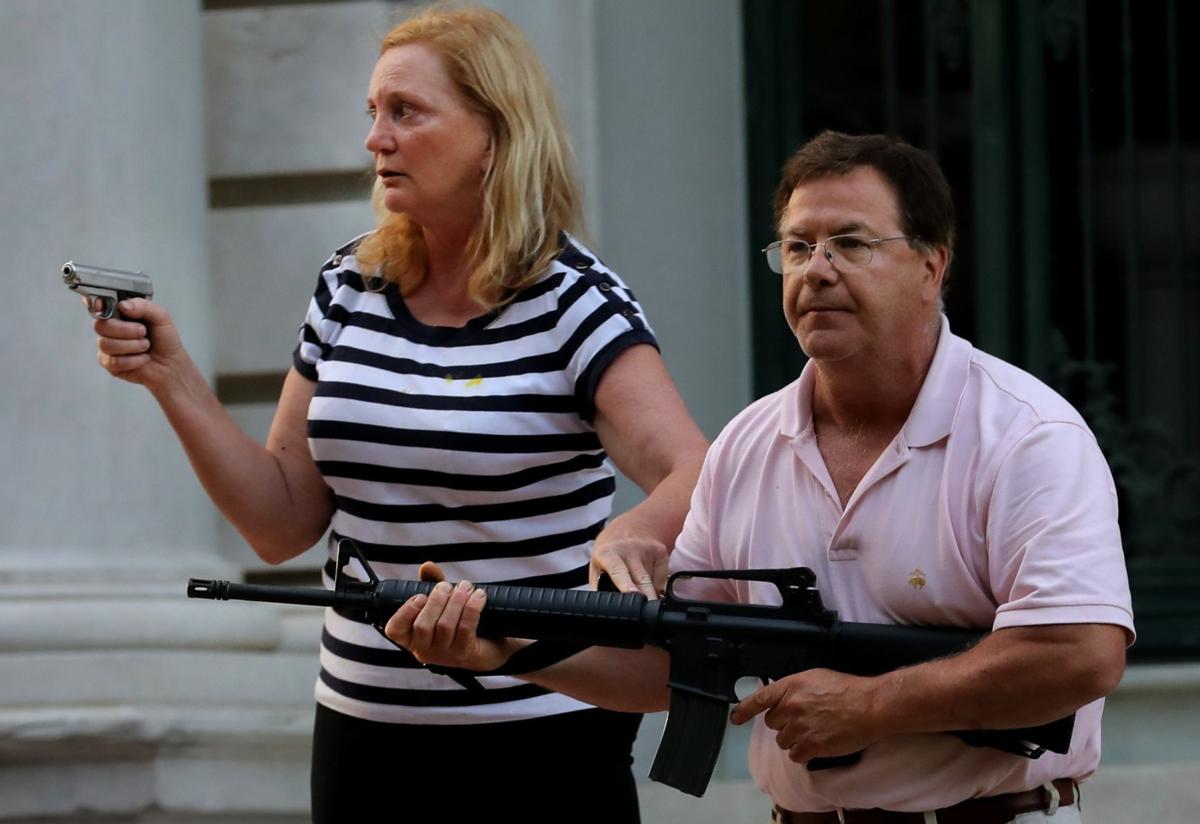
column 820, row 268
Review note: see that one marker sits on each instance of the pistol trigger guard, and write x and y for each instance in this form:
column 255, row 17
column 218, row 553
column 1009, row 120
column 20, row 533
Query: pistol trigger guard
column 108, row 307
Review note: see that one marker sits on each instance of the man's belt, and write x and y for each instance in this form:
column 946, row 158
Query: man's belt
column 994, row 809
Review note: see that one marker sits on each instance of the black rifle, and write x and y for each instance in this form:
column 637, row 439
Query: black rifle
column 711, row 645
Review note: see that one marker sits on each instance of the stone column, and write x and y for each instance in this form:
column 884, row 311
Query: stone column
column 117, row 696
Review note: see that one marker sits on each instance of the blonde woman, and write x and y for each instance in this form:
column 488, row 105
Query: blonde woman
column 463, row 374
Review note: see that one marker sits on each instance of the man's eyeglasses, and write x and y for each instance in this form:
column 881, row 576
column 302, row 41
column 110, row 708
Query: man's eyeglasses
column 844, row 250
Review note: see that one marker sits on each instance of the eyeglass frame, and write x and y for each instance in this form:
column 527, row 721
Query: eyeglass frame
column 871, row 242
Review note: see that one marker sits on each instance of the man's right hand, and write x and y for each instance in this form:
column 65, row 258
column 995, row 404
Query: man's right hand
column 817, row 713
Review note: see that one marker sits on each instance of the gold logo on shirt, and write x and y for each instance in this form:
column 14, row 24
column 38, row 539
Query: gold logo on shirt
column 916, row 579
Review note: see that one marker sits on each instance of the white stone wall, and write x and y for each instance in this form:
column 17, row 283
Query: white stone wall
column 118, row 697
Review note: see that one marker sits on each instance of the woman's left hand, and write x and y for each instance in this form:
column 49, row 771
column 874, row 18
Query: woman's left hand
column 635, row 564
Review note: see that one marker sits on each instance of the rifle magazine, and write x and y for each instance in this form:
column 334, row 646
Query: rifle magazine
column 690, row 743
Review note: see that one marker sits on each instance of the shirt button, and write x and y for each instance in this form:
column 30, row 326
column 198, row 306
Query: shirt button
column 337, row 260
column 583, row 267
column 604, row 287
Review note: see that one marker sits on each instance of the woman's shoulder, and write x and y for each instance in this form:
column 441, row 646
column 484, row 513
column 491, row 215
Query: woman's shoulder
column 341, row 268
column 578, row 267
column 341, row 286
column 574, row 255
column 342, row 259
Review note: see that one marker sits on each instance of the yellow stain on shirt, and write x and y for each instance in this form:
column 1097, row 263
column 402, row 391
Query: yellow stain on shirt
column 475, row 381
column 916, row 579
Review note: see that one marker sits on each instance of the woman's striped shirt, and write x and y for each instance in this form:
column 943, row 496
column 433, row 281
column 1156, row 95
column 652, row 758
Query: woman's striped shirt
column 472, row 447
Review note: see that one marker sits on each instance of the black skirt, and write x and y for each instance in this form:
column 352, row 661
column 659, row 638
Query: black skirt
column 574, row 767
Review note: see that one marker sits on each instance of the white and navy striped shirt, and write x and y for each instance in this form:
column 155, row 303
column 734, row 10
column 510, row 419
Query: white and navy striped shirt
column 472, row 447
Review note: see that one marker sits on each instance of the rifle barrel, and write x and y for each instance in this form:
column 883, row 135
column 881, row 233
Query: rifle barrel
column 227, row 590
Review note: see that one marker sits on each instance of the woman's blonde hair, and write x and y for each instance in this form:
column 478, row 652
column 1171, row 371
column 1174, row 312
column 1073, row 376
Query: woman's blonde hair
column 530, row 193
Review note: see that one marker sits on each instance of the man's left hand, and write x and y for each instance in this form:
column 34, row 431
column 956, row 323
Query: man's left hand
column 816, row 713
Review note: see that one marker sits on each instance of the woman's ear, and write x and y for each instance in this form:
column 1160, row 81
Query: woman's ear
column 489, row 156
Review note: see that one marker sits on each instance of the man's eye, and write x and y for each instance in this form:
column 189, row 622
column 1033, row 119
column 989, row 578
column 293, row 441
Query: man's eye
column 371, row 113
column 850, row 243
column 795, row 249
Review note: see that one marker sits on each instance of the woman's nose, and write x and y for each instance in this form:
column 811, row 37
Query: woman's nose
column 378, row 140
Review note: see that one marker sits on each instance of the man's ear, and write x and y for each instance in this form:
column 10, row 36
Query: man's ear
column 937, row 263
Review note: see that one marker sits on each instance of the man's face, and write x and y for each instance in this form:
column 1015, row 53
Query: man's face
column 881, row 308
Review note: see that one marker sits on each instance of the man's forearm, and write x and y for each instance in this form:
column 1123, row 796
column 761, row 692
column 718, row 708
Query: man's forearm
column 1017, row 677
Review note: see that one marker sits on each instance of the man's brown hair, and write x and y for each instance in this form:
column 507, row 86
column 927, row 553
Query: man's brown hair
column 922, row 193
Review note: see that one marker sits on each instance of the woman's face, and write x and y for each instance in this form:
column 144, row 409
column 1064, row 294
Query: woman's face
column 431, row 148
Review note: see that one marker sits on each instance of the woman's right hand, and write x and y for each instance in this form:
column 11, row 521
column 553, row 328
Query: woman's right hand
column 142, row 345
column 439, row 628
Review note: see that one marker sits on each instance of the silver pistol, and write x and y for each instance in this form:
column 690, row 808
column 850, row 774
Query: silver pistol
column 105, row 288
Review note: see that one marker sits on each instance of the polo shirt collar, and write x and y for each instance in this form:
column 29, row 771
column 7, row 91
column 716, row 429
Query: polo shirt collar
column 932, row 415
column 795, row 417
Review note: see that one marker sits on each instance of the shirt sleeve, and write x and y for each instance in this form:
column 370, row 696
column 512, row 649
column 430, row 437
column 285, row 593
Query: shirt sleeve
column 1055, row 553
column 696, row 547
column 317, row 333
column 609, row 321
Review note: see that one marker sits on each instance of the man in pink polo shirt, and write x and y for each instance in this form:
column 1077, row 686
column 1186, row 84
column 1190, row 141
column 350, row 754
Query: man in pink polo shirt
column 925, row 483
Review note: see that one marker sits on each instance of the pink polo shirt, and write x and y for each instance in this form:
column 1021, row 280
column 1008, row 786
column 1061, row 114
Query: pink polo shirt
column 993, row 507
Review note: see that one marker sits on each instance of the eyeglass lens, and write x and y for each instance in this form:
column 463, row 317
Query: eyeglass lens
column 850, row 250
